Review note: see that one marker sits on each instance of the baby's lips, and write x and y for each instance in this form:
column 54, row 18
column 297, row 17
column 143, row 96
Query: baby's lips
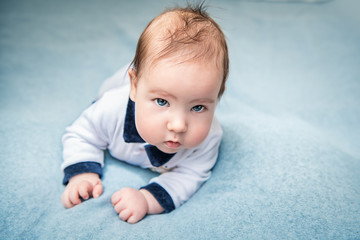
column 171, row 144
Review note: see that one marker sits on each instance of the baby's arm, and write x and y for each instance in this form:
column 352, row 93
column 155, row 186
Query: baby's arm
column 84, row 142
column 132, row 205
column 83, row 186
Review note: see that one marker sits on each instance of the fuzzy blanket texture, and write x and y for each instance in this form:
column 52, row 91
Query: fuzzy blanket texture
column 289, row 163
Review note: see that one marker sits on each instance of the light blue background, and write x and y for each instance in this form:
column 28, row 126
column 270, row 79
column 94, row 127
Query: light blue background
column 289, row 165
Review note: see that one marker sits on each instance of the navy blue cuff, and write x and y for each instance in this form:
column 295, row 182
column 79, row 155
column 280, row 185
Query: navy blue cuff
column 161, row 195
column 82, row 167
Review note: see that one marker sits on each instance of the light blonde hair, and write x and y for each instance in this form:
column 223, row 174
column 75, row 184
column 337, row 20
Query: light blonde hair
column 186, row 34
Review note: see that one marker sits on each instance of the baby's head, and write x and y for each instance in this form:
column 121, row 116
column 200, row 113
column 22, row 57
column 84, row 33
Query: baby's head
column 183, row 34
column 178, row 75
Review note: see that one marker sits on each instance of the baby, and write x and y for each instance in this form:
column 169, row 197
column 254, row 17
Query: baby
column 156, row 113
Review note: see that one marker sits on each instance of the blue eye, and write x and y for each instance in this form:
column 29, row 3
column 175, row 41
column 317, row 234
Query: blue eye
column 161, row 102
column 198, row 108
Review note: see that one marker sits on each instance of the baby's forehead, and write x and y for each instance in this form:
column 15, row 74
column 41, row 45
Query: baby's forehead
column 181, row 59
column 182, row 62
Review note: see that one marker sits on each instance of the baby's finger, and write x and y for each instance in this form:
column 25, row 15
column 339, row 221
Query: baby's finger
column 133, row 219
column 116, row 197
column 74, row 195
column 65, row 199
column 97, row 190
column 125, row 214
column 85, row 189
column 136, row 216
column 120, row 206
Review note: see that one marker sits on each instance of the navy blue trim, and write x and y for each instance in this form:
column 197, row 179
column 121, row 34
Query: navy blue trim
column 82, row 167
column 157, row 157
column 131, row 135
column 161, row 195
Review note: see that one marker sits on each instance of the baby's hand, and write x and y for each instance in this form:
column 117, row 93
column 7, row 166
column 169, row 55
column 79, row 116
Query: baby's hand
column 84, row 185
column 130, row 204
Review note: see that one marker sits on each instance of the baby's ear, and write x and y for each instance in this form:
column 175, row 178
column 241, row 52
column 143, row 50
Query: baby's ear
column 133, row 81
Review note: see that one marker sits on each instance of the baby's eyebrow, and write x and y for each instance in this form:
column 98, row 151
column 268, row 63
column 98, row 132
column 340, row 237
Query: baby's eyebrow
column 203, row 100
column 163, row 93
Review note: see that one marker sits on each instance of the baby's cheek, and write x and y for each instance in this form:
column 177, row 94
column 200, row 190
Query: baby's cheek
column 149, row 128
column 198, row 135
column 147, row 132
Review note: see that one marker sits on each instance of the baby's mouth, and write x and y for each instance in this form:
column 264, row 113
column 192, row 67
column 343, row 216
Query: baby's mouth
column 171, row 144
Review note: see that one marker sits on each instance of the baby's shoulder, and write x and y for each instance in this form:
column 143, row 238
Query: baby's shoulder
column 115, row 97
column 112, row 104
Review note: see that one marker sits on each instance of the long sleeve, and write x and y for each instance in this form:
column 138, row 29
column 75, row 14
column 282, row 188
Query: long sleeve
column 85, row 140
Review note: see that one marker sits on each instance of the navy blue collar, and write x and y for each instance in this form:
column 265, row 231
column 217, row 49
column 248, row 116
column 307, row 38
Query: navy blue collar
column 131, row 135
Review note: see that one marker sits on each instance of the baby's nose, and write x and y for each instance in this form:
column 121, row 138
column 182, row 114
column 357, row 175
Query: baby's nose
column 177, row 124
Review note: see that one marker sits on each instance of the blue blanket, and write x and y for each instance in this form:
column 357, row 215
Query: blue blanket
column 289, row 163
